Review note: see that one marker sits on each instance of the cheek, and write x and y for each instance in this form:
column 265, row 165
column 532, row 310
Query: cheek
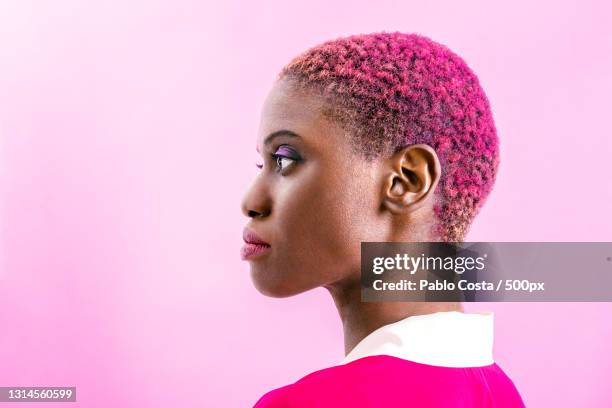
column 318, row 223
column 309, row 240
column 320, row 235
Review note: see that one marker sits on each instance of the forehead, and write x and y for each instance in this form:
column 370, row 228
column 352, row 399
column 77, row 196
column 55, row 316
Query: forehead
column 287, row 108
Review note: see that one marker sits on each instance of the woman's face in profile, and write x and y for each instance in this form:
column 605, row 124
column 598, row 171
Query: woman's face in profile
column 313, row 201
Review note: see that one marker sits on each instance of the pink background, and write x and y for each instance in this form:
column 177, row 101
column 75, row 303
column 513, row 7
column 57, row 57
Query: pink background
column 127, row 140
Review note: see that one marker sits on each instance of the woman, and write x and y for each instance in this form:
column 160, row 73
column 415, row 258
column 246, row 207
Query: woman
column 385, row 137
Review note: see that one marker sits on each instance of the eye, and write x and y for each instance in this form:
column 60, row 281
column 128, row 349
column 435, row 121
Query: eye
column 284, row 156
column 282, row 162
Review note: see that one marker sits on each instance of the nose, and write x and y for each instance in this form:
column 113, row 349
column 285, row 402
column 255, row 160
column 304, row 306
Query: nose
column 257, row 201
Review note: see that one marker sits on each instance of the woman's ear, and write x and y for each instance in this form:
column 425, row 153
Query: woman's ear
column 411, row 176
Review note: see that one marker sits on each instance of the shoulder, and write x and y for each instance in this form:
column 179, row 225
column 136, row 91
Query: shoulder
column 364, row 382
column 390, row 381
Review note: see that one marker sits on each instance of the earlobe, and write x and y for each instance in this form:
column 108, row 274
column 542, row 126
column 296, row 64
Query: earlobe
column 411, row 177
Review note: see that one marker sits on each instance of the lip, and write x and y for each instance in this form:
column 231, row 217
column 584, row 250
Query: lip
column 250, row 237
column 254, row 245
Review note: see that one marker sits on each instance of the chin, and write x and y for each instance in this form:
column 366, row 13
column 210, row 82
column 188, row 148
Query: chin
column 271, row 286
column 273, row 291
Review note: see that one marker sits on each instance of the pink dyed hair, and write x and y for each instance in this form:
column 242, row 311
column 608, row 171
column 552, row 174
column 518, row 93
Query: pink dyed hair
column 391, row 90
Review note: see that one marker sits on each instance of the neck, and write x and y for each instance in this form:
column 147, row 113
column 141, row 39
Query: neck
column 361, row 318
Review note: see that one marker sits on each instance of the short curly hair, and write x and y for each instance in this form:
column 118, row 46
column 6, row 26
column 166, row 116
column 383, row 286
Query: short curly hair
column 391, row 90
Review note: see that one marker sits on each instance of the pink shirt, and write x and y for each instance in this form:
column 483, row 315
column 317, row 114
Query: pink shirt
column 442, row 359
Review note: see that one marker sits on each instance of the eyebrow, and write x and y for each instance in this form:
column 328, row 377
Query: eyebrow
column 278, row 133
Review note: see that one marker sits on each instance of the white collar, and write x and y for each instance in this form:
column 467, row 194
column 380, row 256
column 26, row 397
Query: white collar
column 448, row 339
